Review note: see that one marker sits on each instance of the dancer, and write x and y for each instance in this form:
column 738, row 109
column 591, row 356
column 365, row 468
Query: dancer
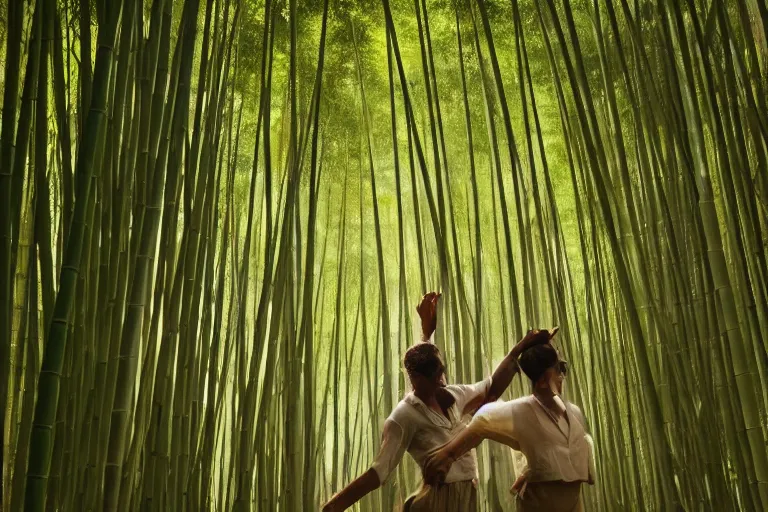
column 549, row 431
column 430, row 416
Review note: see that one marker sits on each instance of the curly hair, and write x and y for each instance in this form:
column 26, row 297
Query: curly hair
column 423, row 359
column 537, row 359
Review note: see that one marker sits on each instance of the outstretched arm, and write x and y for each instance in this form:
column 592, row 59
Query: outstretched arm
column 440, row 461
column 481, row 393
column 354, row 492
column 394, row 441
column 495, row 421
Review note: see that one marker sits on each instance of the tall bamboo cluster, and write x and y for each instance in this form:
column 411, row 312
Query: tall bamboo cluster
column 106, row 148
column 216, row 217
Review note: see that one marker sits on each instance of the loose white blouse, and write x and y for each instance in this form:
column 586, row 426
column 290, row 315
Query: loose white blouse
column 554, row 451
column 417, row 429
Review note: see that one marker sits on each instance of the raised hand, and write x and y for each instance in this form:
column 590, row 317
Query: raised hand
column 428, row 305
column 535, row 337
column 427, row 310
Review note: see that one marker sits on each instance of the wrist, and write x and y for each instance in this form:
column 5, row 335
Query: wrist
column 427, row 329
column 452, row 453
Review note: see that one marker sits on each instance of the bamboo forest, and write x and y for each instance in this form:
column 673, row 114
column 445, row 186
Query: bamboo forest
column 217, row 218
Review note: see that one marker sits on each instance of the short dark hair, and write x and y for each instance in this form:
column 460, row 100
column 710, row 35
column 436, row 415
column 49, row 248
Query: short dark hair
column 537, row 359
column 423, row 359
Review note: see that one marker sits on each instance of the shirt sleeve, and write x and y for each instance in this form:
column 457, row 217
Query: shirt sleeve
column 496, row 421
column 469, row 394
column 394, row 442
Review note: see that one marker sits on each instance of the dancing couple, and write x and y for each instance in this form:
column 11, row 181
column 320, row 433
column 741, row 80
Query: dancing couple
column 432, row 423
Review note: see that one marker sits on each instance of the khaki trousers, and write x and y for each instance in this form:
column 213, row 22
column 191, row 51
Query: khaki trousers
column 453, row 497
column 550, row 497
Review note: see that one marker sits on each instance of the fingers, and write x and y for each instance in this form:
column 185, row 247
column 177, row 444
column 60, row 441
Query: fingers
column 428, row 303
column 551, row 332
column 430, row 297
column 539, row 334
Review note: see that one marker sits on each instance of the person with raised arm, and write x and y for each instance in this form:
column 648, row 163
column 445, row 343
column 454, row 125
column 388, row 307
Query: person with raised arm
column 430, row 416
column 549, row 431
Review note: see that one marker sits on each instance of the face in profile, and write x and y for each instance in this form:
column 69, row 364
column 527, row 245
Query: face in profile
column 437, row 379
column 554, row 377
column 440, row 382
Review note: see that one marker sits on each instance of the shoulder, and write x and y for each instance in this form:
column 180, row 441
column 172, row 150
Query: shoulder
column 457, row 391
column 401, row 413
column 522, row 403
column 502, row 408
column 460, row 388
column 455, row 388
column 474, row 388
column 576, row 412
column 399, row 424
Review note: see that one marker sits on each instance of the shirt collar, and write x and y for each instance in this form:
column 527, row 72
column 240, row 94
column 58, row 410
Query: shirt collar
column 412, row 399
column 434, row 417
column 547, row 416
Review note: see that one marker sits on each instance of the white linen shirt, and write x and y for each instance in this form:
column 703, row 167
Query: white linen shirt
column 417, row 429
column 552, row 453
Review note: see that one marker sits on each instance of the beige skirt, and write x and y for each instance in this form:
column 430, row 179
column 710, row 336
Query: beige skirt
column 453, row 497
column 550, row 497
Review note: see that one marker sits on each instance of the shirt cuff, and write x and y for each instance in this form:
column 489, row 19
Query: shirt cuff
column 380, row 471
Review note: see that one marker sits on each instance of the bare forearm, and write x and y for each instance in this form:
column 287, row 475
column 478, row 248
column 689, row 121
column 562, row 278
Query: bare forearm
column 503, row 375
column 462, row 443
column 428, row 328
column 354, row 492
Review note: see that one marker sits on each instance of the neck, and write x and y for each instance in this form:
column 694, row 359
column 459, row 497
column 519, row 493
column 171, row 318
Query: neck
column 544, row 393
column 550, row 399
column 425, row 396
